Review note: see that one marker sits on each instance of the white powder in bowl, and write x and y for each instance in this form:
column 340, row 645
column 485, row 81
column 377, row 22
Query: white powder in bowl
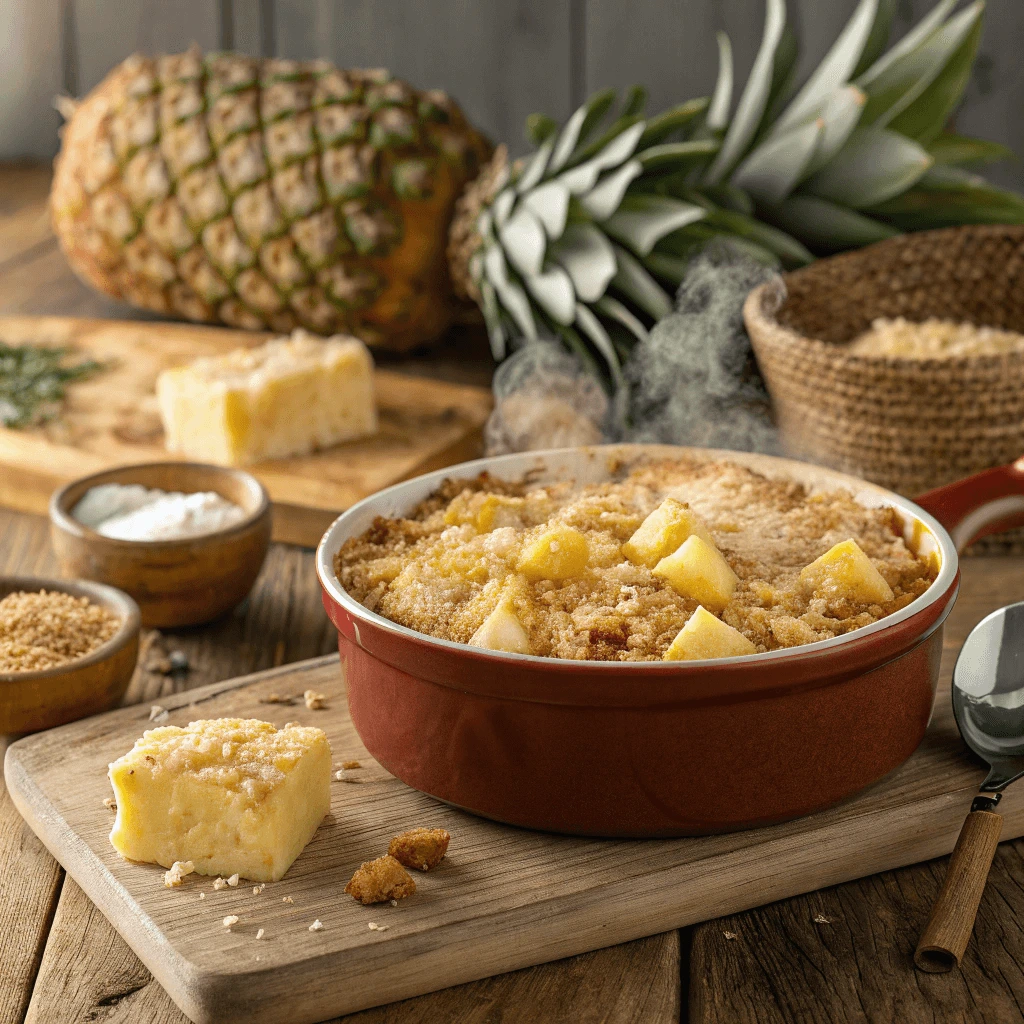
column 134, row 512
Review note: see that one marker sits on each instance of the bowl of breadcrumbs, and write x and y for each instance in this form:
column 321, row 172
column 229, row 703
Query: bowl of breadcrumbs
column 67, row 650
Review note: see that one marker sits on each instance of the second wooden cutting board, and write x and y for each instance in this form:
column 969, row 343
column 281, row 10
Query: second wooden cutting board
column 111, row 419
column 504, row 898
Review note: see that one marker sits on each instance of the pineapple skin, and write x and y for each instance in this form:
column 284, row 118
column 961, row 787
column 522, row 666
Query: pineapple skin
column 267, row 194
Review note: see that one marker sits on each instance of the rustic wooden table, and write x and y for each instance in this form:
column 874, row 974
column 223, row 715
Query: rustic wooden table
column 61, row 962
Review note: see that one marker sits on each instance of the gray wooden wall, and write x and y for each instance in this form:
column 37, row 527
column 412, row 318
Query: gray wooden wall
column 502, row 59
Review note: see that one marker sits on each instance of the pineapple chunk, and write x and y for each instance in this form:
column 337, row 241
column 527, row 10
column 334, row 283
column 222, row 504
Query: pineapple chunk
column 484, row 513
column 662, row 532
column 559, row 553
column 699, row 571
column 845, row 572
column 502, row 631
column 704, row 636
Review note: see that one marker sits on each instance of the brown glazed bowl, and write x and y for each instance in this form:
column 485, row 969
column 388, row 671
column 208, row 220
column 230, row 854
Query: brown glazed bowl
column 656, row 748
column 30, row 701
column 175, row 582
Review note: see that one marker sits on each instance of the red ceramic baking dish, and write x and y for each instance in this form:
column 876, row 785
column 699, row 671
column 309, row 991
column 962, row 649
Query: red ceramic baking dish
column 656, row 748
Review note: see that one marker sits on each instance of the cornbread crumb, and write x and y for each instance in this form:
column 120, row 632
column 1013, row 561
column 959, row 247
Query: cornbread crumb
column 202, row 895
column 730, row 936
column 380, row 880
column 230, row 920
column 260, row 933
column 287, row 899
column 349, row 765
column 316, row 926
column 157, row 713
column 257, row 889
column 110, row 803
column 394, row 903
column 822, row 919
column 48, row 628
column 273, row 698
column 443, row 570
column 233, row 880
column 219, row 883
column 314, row 701
column 374, row 927
column 178, row 870
column 420, row 848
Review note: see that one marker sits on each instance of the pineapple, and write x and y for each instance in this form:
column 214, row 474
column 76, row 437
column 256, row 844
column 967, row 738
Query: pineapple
column 502, row 631
column 267, row 194
column 704, row 636
column 845, row 572
column 699, row 571
column 662, row 532
column 271, row 193
column 559, row 553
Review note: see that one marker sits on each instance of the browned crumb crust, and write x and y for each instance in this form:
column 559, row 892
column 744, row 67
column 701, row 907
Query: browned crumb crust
column 380, row 880
column 442, row 569
column 420, row 848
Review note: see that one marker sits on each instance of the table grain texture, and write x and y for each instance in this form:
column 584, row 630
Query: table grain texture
column 838, row 955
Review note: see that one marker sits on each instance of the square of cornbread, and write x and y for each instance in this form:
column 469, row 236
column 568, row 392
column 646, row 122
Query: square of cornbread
column 290, row 396
column 232, row 795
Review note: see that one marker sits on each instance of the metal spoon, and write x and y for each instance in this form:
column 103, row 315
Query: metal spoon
column 988, row 702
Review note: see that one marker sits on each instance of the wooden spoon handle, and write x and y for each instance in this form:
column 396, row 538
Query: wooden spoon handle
column 949, row 928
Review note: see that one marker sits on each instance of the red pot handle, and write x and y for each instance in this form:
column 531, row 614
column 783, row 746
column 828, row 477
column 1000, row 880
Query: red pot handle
column 983, row 504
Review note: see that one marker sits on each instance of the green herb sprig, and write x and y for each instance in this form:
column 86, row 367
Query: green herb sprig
column 33, row 382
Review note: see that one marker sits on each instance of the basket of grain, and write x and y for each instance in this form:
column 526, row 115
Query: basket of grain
column 902, row 362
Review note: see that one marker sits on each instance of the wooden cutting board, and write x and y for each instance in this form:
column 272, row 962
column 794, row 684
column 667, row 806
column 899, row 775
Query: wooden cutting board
column 111, row 419
column 504, row 898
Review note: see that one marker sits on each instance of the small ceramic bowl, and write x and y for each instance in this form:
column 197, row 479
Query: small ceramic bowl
column 175, row 582
column 30, row 701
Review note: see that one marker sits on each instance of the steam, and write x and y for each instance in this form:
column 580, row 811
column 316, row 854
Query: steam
column 693, row 382
column 544, row 398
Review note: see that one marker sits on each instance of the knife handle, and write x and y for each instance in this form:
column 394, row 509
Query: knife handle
column 949, row 928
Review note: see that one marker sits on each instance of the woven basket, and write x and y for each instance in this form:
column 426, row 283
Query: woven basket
column 909, row 425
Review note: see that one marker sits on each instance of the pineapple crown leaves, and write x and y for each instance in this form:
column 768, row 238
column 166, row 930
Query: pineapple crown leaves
column 587, row 238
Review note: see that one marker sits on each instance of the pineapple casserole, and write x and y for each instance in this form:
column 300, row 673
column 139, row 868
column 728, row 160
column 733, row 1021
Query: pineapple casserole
column 679, row 559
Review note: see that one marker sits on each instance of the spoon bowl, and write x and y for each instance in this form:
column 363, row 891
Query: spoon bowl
column 988, row 695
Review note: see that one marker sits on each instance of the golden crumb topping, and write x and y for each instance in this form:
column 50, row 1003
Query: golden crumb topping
column 243, row 755
column 465, row 551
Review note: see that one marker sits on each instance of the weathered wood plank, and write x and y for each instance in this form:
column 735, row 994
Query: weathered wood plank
column 33, row 73
column 500, row 61
column 90, row 973
column 105, row 32
column 30, row 881
column 784, row 966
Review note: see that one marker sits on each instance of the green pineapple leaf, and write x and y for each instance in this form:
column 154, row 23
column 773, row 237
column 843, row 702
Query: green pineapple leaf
column 833, row 72
column 878, row 37
column 721, row 98
column 873, row 166
column 642, row 220
column 773, row 169
column 925, row 118
column 754, row 99
column 827, row 227
column 949, row 148
column 896, row 88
